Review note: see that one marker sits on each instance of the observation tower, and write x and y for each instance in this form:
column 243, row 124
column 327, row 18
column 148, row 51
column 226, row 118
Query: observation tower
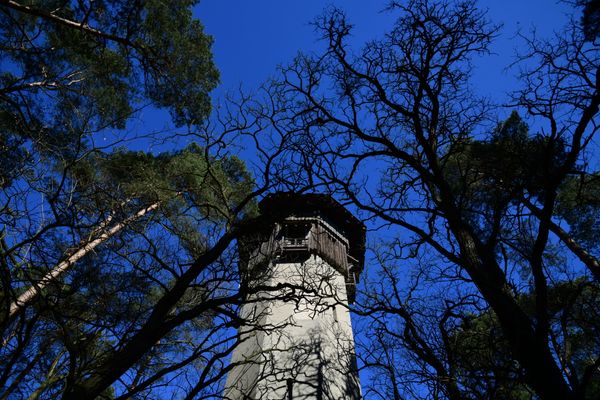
column 301, row 271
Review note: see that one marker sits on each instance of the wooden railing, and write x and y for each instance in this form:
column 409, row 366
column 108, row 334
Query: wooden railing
column 295, row 242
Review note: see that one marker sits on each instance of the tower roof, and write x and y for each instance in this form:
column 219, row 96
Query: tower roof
column 286, row 204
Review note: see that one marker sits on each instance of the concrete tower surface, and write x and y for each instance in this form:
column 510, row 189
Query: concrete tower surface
column 301, row 271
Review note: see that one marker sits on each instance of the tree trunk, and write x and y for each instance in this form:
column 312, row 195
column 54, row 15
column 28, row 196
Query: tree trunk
column 541, row 371
column 591, row 262
column 86, row 246
column 153, row 329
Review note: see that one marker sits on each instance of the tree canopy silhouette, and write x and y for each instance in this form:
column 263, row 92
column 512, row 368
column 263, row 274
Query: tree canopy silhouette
column 478, row 216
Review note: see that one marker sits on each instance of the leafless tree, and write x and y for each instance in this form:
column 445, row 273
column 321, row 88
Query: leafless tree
column 395, row 130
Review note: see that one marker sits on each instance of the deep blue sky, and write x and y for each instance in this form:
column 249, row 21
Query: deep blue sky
column 253, row 37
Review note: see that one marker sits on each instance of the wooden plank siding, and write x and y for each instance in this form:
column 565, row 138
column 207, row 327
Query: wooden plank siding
column 321, row 239
column 323, row 242
column 258, row 251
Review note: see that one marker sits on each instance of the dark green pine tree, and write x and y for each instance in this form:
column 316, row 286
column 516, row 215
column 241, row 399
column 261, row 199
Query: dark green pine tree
column 485, row 368
column 590, row 19
column 508, row 169
column 115, row 284
column 124, row 226
column 72, row 70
